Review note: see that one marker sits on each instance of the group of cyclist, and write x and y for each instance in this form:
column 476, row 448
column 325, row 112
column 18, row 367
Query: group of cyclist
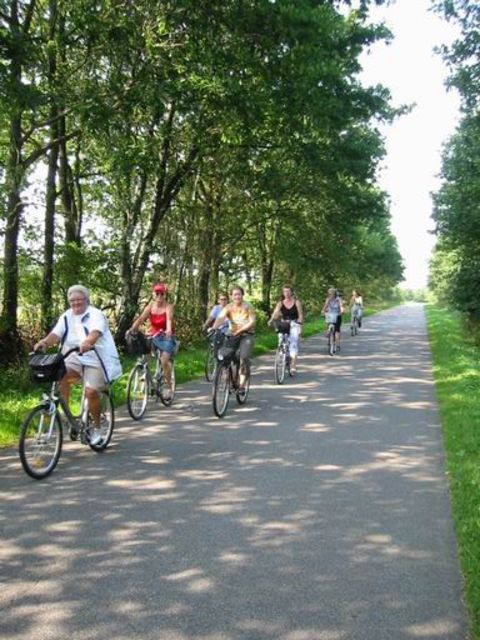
column 86, row 327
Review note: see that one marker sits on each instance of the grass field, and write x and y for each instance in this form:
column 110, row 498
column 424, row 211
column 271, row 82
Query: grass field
column 456, row 363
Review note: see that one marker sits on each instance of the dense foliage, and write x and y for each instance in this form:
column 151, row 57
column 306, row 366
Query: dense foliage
column 455, row 266
column 200, row 143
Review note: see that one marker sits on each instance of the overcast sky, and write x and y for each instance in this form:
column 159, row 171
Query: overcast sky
column 414, row 74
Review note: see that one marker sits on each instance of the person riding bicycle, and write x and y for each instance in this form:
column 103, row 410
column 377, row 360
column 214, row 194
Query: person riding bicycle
column 356, row 306
column 289, row 308
column 334, row 304
column 215, row 312
column 159, row 313
column 242, row 328
column 84, row 326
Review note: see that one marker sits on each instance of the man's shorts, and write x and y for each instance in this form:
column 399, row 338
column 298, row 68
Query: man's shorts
column 92, row 376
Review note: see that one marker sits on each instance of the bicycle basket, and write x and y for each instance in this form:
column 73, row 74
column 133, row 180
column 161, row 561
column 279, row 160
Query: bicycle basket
column 47, row 367
column 138, row 344
column 331, row 318
column 281, row 326
column 225, row 354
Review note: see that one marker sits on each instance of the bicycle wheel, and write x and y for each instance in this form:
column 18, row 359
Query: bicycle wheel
column 107, row 420
column 40, row 443
column 167, row 395
column 242, row 397
column 221, row 390
column 280, row 365
column 138, row 391
column 331, row 340
column 210, row 364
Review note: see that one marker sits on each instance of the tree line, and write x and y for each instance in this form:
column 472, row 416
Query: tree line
column 455, row 265
column 198, row 143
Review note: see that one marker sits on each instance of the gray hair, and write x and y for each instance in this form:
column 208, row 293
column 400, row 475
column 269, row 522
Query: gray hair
column 79, row 288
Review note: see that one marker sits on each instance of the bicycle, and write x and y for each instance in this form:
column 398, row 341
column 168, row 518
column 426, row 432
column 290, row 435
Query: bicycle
column 143, row 385
column 41, row 433
column 282, row 354
column 356, row 321
column 331, row 319
column 227, row 379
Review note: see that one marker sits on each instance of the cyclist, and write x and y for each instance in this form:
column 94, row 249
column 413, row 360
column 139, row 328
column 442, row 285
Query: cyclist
column 334, row 304
column 290, row 308
column 84, row 326
column 356, row 306
column 241, row 316
column 159, row 313
column 215, row 312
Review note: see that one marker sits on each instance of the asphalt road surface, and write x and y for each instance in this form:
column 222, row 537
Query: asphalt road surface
column 318, row 511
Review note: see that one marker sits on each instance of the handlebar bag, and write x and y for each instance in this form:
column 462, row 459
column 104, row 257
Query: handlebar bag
column 47, row 367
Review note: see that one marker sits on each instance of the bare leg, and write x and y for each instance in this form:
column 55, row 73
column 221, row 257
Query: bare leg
column 65, row 384
column 167, row 368
column 94, row 407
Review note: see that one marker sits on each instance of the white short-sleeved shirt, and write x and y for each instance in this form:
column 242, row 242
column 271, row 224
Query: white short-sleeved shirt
column 77, row 328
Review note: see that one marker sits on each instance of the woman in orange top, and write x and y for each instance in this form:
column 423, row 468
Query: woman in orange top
column 159, row 313
column 242, row 327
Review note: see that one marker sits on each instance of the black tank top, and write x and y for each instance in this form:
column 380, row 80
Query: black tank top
column 289, row 314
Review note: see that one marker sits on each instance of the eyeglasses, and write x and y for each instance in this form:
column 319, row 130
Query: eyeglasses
column 72, row 300
column 159, row 293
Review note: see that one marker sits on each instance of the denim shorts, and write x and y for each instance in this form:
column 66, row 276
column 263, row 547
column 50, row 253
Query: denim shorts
column 165, row 343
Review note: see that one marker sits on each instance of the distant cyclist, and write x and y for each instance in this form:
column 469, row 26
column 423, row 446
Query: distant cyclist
column 290, row 308
column 242, row 327
column 356, row 306
column 215, row 312
column 159, row 313
column 334, row 304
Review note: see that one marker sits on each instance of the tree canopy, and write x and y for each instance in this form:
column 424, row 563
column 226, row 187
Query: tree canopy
column 455, row 266
column 198, row 143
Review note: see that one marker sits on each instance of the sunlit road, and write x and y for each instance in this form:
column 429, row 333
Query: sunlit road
column 319, row 511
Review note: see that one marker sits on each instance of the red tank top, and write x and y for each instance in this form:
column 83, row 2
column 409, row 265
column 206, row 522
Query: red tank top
column 158, row 322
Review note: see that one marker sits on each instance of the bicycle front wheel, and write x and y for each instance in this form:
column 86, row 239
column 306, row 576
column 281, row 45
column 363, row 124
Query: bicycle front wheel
column 210, row 364
column 138, row 391
column 98, row 436
column 221, row 390
column 280, row 365
column 331, row 341
column 242, row 395
column 40, row 443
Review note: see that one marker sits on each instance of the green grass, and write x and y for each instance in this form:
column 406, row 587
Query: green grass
column 456, row 360
column 20, row 394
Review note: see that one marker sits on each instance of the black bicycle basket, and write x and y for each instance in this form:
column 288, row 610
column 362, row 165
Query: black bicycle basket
column 281, row 326
column 138, row 344
column 47, row 367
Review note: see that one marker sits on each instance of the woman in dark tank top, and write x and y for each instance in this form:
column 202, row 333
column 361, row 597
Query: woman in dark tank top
column 290, row 308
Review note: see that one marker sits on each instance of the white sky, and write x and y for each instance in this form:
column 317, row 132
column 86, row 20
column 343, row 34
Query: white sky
column 414, row 74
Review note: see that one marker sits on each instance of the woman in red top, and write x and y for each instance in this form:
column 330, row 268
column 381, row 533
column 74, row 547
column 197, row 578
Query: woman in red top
column 159, row 313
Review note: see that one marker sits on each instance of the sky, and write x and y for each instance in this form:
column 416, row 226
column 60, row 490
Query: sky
column 414, row 74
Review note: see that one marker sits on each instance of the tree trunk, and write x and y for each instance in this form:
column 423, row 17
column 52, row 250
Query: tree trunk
column 51, row 190
column 9, row 337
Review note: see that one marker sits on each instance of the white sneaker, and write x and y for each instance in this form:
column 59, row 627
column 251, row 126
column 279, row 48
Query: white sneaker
column 95, row 436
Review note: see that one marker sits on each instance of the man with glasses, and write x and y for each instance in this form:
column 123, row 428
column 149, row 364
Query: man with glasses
column 84, row 326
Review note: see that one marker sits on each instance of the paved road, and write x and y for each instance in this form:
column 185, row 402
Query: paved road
column 319, row 511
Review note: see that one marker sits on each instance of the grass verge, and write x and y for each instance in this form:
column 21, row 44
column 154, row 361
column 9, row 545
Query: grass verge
column 19, row 394
column 457, row 376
